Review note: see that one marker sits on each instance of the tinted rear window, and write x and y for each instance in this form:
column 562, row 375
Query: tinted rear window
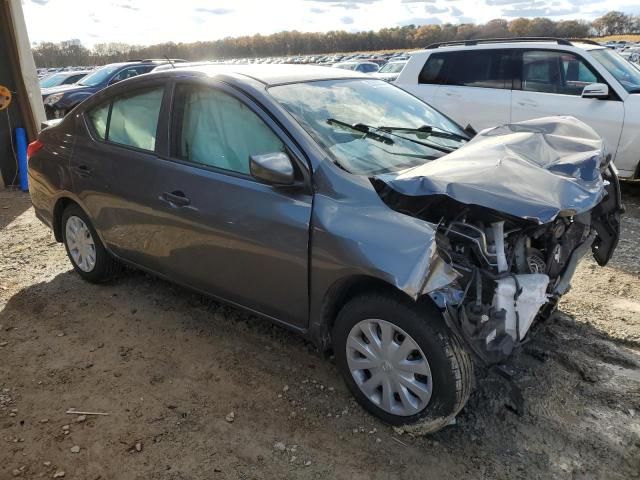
column 474, row 68
column 433, row 70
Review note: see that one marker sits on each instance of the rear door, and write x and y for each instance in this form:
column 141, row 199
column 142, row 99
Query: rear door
column 550, row 82
column 111, row 166
column 474, row 86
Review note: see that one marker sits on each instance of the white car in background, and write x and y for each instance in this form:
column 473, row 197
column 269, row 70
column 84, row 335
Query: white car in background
column 363, row 67
column 632, row 55
column 391, row 70
column 485, row 83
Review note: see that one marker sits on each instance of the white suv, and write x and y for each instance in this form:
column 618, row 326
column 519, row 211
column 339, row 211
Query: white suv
column 486, row 83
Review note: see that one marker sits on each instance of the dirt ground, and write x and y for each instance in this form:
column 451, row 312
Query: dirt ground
column 169, row 367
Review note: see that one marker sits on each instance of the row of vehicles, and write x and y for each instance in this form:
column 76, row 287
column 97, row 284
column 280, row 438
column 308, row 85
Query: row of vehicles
column 350, row 210
column 46, row 72
column 477, row 83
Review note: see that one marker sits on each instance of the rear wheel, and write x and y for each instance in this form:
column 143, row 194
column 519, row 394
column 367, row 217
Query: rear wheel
column 401, row 362
column 84, row 248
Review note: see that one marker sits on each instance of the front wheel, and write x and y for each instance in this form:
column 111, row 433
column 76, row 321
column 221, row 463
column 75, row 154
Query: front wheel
column 401, row 362
column 84, row 248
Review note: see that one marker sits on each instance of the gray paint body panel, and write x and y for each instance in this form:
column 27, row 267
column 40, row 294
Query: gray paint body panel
column 276, row 251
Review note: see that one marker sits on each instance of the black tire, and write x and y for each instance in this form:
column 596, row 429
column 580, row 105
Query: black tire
column 106, row 267
column 450, row 363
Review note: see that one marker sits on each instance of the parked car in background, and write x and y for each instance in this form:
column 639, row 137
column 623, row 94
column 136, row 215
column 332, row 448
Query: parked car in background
column 377, row 60
column 339, row 206
column 492, row 82
column 363, row 67
column 169, row 66
column 62, row 78
column 390, row 71
column 58, row 101
column 632, row 55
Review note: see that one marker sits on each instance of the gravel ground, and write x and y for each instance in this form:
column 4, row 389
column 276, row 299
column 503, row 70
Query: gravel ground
column 199, row 390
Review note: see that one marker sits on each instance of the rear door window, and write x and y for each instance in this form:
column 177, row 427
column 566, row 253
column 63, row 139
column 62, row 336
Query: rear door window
column 481, row 68
column 134, row 119
column 473, row 68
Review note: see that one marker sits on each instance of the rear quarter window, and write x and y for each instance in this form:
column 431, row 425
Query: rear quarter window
column 98, row 117
column 433, row 70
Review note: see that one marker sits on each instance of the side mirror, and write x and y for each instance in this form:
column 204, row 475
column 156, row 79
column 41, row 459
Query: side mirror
column 469, row 130
column 599, row 91
column 274, row 168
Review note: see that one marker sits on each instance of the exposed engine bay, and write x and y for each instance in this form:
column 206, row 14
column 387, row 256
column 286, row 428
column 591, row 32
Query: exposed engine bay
column 512, row 265
column 509, row 272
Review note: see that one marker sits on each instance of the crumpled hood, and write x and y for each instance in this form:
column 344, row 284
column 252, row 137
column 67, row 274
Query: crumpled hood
column 532, row 170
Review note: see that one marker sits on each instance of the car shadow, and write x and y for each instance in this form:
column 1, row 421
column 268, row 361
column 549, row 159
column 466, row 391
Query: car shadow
column 13, row 203
column 626, row 258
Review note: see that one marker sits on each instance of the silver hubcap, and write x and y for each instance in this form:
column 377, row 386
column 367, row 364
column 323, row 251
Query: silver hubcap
column 389, row 367
column 80, row 244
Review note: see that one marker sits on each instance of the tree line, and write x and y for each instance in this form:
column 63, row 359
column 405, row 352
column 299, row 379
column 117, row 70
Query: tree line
column 47, row 54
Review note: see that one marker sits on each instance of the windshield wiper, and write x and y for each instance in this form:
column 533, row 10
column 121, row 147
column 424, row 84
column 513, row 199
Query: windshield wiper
column 428, row 131
column 362, row 128
column 367, row 130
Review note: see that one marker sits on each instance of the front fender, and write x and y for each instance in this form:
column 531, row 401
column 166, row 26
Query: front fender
column 354, row 233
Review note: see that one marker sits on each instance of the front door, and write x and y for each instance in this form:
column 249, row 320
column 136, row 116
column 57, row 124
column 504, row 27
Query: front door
column 551, row 83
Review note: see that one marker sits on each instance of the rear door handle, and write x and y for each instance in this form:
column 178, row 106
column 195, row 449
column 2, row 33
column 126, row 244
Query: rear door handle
column 175, row 198
column 82, row 171
column 453, row 95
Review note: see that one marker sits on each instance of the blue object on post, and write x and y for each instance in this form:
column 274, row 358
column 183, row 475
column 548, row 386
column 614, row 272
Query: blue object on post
column 21, row 150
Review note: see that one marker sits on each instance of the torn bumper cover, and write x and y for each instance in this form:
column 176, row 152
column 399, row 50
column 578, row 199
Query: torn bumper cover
column 516, row 209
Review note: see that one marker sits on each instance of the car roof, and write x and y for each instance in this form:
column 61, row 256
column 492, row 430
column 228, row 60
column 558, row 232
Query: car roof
column 130, row 63
column 515, row 44
column 270, row 74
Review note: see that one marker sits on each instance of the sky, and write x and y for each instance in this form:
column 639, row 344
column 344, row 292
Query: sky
column 144, row 22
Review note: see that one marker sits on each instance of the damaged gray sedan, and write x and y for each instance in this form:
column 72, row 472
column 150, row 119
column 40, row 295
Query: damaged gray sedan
column 338, row 206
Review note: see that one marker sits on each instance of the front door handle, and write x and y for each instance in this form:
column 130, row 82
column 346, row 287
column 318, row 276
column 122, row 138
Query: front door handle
column 453, row 95
column 529, row 103
column 175, row 198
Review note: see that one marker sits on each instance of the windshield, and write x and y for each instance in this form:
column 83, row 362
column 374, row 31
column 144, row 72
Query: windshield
column 99, row 76
column 621, row 69
column 52, row 80
column 327, row 109
column 393, row 67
